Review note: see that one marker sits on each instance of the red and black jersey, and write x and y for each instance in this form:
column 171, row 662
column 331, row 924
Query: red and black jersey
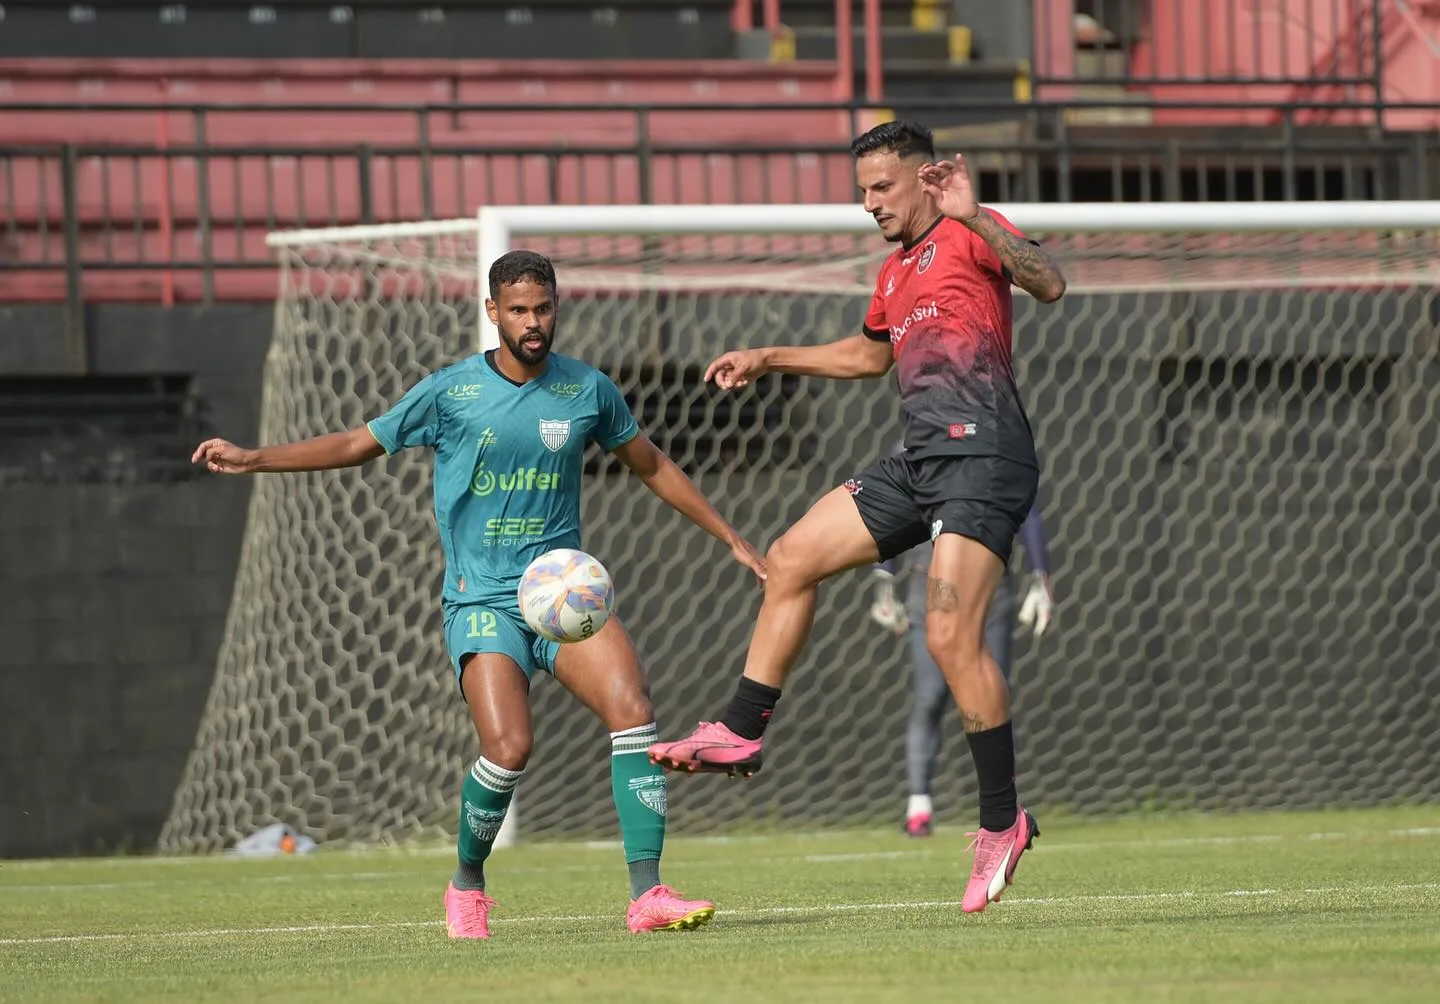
column 944, row 303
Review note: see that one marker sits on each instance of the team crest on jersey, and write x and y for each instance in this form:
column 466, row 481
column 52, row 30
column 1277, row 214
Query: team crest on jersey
column 554, row 433
column 927, row 255
column 890, row 286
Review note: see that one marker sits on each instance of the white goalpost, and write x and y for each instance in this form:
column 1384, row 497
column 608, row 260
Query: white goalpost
column 1234, row 405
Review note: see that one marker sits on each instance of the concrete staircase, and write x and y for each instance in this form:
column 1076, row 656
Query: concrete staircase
column 926, row 53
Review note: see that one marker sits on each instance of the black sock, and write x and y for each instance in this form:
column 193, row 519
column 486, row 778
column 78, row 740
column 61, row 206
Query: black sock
column 469, row 877
column 994, row 754
column 750, row 709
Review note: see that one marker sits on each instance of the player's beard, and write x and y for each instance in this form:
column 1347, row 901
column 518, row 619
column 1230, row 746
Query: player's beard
column 894, row 237
column 528, row 356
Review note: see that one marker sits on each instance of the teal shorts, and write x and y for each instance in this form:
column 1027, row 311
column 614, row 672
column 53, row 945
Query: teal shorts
column 494, row 627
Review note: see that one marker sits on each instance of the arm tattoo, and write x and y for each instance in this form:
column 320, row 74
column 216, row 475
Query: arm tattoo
column 1030, row 268
column 941, row 596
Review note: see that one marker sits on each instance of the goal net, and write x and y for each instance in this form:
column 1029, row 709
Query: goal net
column 1235, row 408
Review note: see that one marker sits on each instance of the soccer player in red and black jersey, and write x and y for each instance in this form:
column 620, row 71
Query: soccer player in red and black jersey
column 966, row 480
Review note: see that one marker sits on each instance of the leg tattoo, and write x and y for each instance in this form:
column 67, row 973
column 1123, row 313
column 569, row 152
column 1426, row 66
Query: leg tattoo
column 941, row 596
column 972, row 723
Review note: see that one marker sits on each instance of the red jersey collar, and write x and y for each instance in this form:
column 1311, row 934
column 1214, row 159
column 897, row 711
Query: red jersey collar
column 911, row 245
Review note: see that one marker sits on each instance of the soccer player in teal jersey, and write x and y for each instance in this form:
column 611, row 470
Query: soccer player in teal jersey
column 509, row 429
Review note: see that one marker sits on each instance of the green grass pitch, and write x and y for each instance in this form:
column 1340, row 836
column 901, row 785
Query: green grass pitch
column 1334, row 906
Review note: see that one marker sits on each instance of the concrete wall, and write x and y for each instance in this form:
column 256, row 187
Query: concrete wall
column 113, row 590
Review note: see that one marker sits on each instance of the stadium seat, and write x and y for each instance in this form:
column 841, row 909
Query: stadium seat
column 259, row 172
column 533, row 85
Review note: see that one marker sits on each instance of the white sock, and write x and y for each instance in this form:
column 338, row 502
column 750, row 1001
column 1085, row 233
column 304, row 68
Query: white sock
column 919, row 805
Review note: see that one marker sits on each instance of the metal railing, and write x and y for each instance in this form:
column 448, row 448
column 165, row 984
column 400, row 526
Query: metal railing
column 197, row 211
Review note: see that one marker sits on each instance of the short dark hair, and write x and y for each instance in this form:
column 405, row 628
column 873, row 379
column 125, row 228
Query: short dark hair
column 517, row 266
column 901, row 137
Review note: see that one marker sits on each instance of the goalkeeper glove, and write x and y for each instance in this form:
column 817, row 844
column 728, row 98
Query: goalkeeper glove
column 887, row 610
column 1038, row 605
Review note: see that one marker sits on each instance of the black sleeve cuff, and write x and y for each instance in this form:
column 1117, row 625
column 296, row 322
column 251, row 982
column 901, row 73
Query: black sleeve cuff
column 873, row 335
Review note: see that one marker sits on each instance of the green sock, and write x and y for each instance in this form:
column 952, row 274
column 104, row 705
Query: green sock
column 484, row 797
column 639, row 790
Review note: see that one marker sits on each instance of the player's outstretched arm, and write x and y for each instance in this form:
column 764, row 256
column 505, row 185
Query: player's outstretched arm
column 853, row 358
column 664, row 477
column 1030, row 268
column 322, row 453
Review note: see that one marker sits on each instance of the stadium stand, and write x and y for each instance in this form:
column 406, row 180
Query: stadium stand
column 370, row 29
column 150, row 133
column 183, row 137
column 102, row 87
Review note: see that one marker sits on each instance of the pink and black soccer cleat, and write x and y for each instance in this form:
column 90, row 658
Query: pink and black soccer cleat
column 996, row 855
column 710, row 749
column 467, row 913
column 662, row 909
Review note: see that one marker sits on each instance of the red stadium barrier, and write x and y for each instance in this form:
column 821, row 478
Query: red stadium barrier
column 138, row 204
column 130, row 211
column 535, row 83
column 314, row 190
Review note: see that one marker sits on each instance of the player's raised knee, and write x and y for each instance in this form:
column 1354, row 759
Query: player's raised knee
column 791, row 562
column 829, row 539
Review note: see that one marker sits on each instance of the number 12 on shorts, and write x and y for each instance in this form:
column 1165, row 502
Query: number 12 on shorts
column 481, row 624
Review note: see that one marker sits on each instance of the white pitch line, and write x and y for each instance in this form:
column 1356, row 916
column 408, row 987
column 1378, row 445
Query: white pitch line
column 936, row 904
column 1328, row 890
column 244, row 879
column 1049, row 847
column 1412, row 832
column 1247, row 838
column 441, row 850
column 218, row 932
column 79, row 886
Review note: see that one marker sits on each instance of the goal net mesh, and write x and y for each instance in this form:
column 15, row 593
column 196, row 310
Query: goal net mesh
column 1241, row 486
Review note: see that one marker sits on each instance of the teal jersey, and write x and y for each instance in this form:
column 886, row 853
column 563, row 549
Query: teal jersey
column 508, row 463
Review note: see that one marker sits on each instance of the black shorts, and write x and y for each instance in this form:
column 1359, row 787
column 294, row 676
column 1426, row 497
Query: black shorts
column 905, row 501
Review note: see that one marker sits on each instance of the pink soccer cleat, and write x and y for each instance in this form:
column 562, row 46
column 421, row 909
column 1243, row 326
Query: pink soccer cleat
column 919, row 825
column 467, row 912
column 712, row 749
column 996, row 855
column 662, row 909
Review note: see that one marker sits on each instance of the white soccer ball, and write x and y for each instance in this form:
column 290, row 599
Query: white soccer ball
column 566, row 595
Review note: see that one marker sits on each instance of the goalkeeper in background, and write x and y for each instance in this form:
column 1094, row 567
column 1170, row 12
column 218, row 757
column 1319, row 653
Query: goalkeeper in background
column 929, row 694
column 509, row 429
